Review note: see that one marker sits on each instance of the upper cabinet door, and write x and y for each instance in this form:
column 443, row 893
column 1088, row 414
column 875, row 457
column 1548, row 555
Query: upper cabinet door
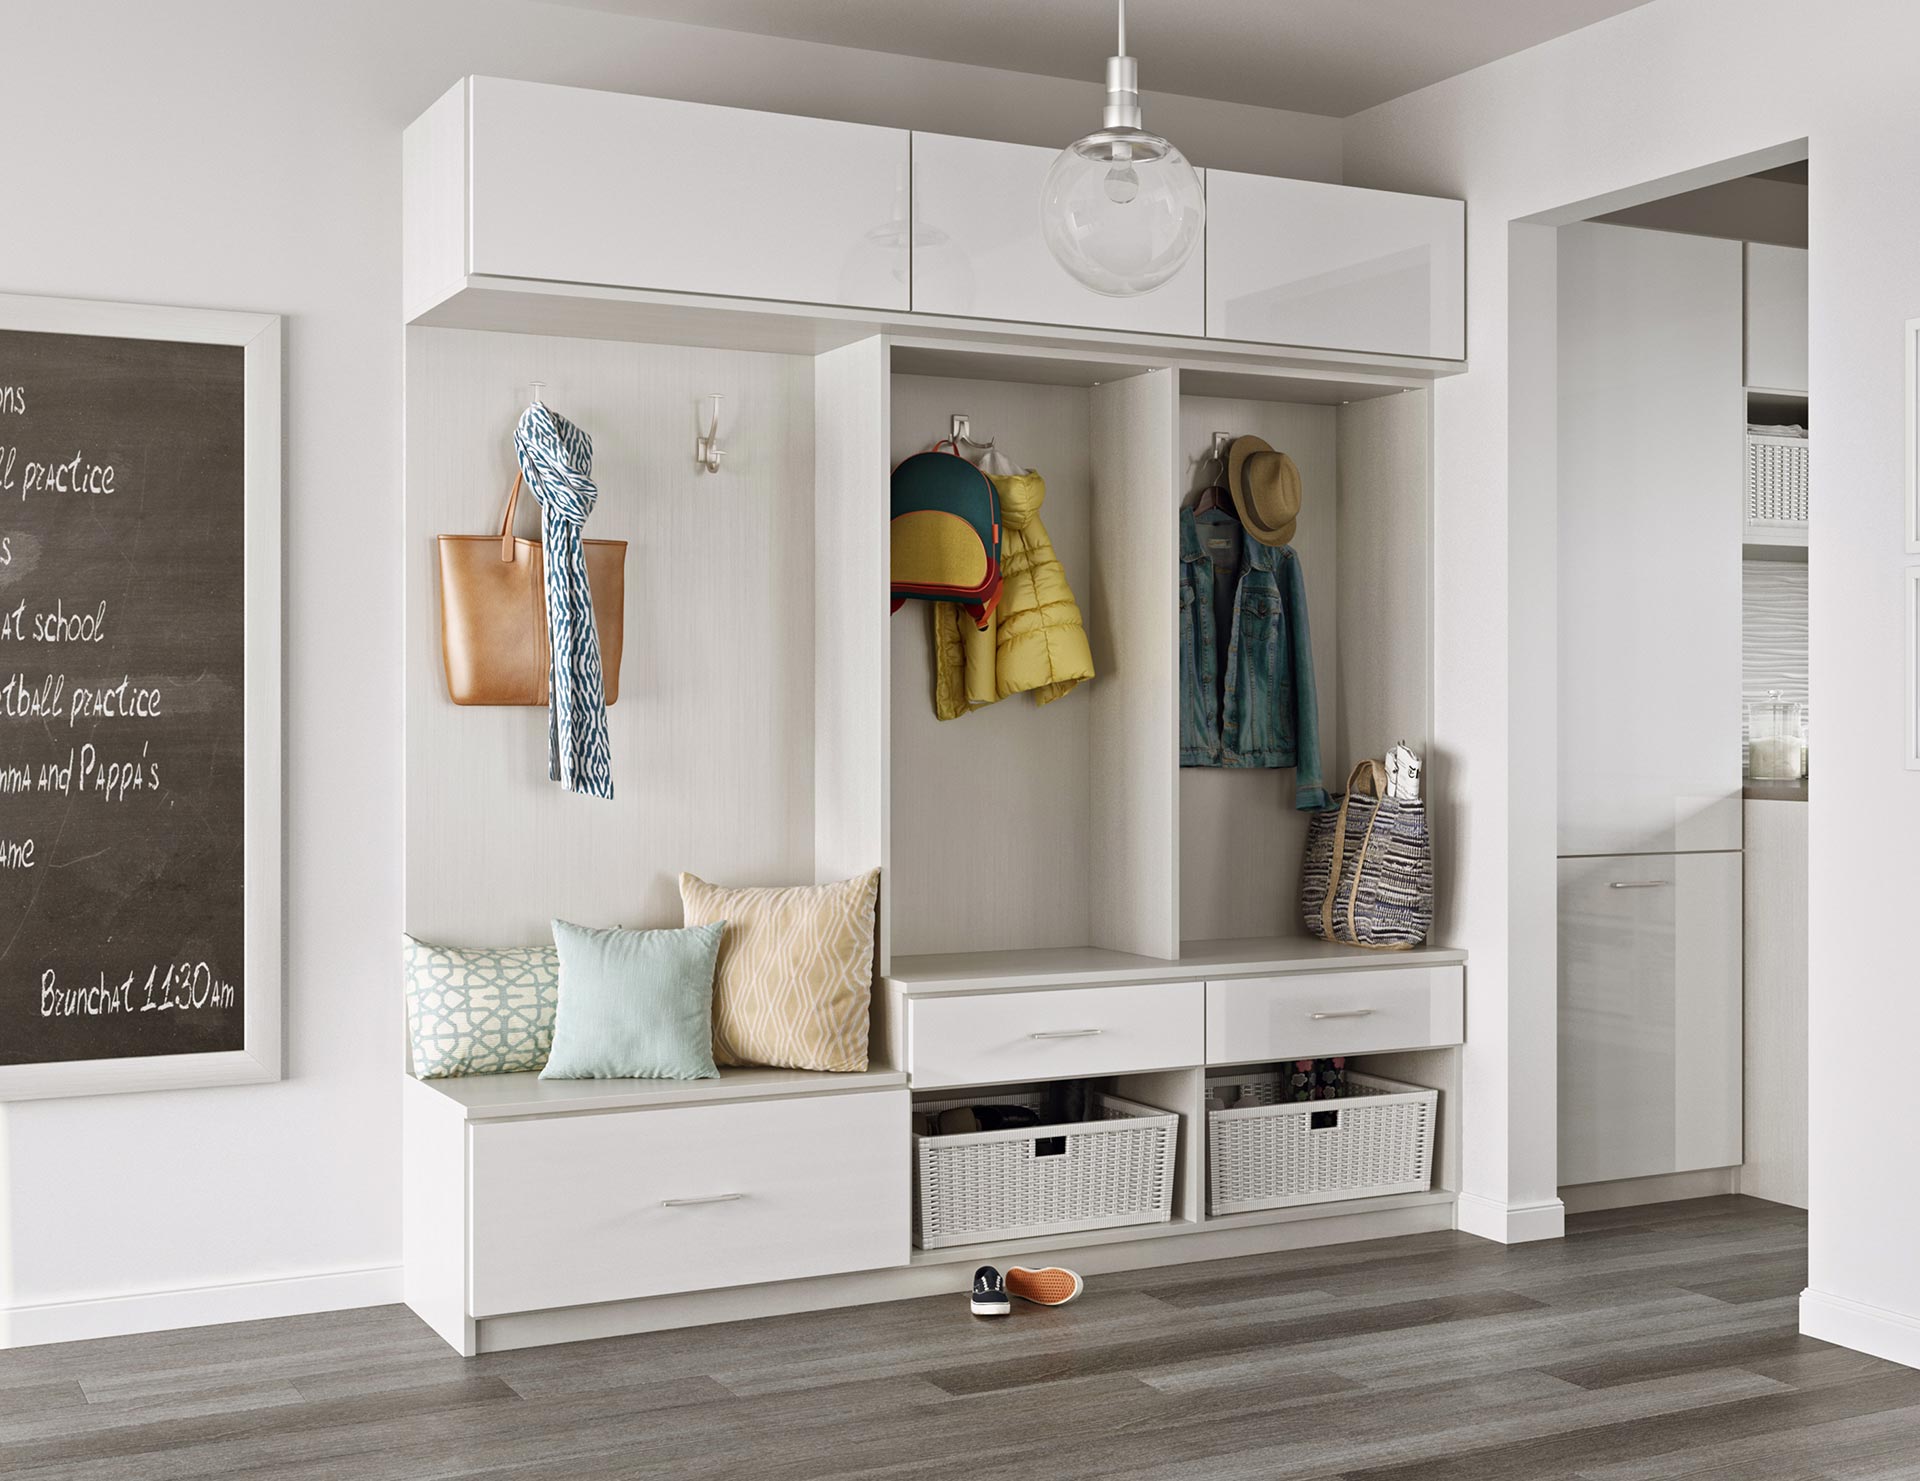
column 571, row 185
column 1776, row 317
column 1296, row 262
column 978, row 251
column 1650, row 507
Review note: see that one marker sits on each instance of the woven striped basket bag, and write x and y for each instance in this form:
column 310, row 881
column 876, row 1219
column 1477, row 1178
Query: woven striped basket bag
column 1367, row 876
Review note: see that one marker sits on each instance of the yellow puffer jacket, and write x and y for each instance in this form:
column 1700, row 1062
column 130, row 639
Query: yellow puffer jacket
column 1035, row 642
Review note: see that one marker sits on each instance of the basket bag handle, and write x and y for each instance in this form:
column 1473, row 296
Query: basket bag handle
column 1373, row 775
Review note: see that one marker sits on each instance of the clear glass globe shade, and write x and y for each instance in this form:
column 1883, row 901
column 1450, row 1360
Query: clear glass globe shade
column 1122, row 216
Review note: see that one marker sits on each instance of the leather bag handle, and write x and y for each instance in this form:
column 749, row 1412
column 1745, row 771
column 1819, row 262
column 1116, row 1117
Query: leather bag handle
column 506, row 520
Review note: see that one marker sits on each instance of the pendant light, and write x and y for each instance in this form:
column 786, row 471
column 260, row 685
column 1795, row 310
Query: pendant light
column 1122, row 209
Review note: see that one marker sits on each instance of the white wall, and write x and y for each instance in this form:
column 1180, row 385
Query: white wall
column 1652, row 94
column 246, row 154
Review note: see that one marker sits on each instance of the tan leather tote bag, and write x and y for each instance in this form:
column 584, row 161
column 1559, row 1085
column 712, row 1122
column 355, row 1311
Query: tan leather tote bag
column 493, row 613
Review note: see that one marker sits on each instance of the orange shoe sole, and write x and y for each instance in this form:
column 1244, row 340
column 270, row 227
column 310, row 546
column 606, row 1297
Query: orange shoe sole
column 1050, row 1287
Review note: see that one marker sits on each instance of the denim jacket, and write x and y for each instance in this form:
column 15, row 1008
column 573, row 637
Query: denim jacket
column 1262, row 711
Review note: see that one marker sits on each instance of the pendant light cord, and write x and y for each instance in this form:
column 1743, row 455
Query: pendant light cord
column 1123, row 27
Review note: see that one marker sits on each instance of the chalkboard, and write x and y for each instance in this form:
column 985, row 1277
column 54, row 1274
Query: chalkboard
column 124, row 703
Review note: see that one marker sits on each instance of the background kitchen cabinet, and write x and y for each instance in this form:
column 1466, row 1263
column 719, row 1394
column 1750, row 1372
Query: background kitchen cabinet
column 978, row 251
column 1776, row 318
column 1298, row 262
column 703, row 199
column 1650, row 517
column 1650, row 1015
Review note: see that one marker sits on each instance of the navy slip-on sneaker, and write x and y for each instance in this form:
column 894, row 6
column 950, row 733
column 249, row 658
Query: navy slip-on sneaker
column 989, row 1293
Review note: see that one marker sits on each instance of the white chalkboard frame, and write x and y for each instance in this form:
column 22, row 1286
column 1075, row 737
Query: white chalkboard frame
column 264, row 1056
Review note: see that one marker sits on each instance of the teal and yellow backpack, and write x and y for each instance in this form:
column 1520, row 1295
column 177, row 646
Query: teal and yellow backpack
column 946, row 534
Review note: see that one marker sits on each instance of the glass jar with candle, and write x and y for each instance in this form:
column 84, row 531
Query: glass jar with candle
column 1776, row 744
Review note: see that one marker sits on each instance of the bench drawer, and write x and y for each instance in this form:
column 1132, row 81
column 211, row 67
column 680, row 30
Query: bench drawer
column 575, row 1209
column 1310, row 1014
column 1000, row 1037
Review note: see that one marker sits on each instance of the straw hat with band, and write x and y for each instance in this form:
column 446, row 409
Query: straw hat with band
column 1266, row 490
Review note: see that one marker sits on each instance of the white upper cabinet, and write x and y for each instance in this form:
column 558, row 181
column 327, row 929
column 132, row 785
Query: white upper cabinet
column 1776, row 317
column 978, row 252
column 1649, row 541
column 1297, row 262
column 572, row 185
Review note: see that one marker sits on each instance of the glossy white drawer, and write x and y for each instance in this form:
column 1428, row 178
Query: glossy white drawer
column 574, row 1209
column 999, row 1037
column 1319, row 1013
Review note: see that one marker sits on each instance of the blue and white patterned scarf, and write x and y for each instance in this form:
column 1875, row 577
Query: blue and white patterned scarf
column 556, row 456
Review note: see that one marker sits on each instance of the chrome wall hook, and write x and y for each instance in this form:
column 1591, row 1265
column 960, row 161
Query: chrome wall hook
column 707, row 451
column 962, row 431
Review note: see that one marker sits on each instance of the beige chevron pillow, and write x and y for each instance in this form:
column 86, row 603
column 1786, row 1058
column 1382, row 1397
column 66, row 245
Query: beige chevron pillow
column 794, row 983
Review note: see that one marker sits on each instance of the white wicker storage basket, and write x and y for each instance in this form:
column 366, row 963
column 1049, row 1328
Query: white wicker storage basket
column 988, row 1185
column 1376, row 1139
column 1776, row 481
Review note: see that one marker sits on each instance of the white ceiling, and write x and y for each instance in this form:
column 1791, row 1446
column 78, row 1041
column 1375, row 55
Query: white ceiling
column 1317, row 56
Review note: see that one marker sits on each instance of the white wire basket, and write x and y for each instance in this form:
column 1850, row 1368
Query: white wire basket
column 1374, row 1140
column 990, row 1185
column 1776, row 482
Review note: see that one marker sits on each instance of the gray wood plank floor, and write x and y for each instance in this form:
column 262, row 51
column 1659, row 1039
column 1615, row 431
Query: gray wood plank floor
column 1652, row 1343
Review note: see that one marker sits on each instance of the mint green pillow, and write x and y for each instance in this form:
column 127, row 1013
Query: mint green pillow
column 634, row 1004
column 479, row 1010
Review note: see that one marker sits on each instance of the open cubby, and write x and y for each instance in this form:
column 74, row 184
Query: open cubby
column 1021, row 828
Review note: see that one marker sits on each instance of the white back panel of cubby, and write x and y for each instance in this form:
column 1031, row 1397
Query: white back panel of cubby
column 991, row 813
column 1240, row 835
column 713, row 735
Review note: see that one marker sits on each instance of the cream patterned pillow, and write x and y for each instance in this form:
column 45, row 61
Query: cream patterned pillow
column 794, row 983
column 485, row 1011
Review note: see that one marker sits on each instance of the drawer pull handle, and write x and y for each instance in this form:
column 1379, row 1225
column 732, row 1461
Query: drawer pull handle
column 1343, row 1013
column 1067, row 1033
column 1639, row 884
column 710, row 1198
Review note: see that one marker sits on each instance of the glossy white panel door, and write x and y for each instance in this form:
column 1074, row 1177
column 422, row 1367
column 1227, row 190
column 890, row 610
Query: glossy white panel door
column 978, row 252
column 1650, row 1015
column 573, row 185
column 1298, row 262
column 1650, row 509
column 1776, row 317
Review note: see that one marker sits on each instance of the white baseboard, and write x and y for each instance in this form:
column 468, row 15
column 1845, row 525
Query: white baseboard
column 199, row 1306
column 1510, row 1223
column 1668, row 1187
column 1869, row 1329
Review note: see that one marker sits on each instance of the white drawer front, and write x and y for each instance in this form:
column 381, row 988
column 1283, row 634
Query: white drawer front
column 596, row 187
column 576, row 1209
column 998, row 1037
column 1320, row 1013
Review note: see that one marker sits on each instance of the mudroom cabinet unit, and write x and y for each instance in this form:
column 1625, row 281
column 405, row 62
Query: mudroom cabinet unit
column 1062, row 903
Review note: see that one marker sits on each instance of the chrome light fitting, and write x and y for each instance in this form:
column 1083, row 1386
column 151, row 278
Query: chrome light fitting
column 1121, row 209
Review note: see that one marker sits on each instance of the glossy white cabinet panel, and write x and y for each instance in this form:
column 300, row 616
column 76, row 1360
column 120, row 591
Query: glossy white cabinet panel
column 978, row 251
column 1651, row 504
column 1776, row 317
column 1299, row 262
column 1650, row 1015
column 568, row 1210
column 997, row 1038
column 573, row 185
column 1317, row 1013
